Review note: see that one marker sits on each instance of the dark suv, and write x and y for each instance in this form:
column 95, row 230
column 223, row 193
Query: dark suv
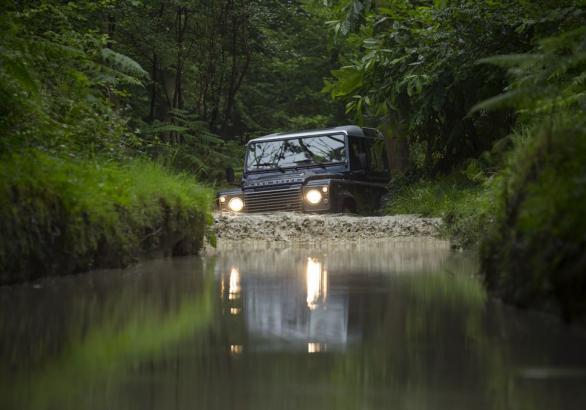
column 341, row 169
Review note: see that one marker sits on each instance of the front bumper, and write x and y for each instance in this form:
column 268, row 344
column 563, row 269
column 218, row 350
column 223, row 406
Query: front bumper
column 275, row 199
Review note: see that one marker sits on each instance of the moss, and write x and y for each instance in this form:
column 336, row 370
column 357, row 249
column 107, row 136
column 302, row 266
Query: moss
column 64, row 215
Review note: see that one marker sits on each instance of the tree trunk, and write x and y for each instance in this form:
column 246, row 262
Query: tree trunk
column 397, row 144
column 111, row 29
column 153, row 87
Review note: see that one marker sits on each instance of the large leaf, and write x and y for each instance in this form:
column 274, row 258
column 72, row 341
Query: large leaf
column 349, row 80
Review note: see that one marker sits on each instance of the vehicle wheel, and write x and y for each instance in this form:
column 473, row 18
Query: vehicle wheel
column 348, row 207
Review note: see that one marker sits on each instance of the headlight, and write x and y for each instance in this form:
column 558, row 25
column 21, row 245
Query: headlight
column 222, row 199
column 236, row 204
column 313, row 196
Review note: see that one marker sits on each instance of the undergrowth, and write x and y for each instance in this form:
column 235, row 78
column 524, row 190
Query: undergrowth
column 60, row 215
column 528, row 219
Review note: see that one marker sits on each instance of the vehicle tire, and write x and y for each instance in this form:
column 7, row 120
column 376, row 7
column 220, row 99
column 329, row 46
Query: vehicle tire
column 348, row 207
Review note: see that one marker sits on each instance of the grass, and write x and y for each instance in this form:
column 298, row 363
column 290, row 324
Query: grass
column 460, row 202
column 62, row 215
column 431, row 197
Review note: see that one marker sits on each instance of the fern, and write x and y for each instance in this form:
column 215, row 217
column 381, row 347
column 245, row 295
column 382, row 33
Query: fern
column 548, row 80
column 184, row 142
column 123, row 64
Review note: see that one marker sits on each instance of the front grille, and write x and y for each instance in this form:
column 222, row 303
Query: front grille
column 288, row 199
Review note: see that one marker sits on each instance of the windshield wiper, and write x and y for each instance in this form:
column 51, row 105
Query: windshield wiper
column 311, row 163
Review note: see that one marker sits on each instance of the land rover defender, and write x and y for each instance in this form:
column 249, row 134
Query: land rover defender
column 341, row 169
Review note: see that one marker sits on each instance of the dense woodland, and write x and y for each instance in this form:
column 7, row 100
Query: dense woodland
column 103, row 103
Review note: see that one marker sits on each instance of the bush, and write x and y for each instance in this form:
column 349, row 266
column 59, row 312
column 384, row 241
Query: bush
column 61, row 215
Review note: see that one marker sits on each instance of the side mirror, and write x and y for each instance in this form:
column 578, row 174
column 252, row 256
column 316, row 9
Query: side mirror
column 230, row 175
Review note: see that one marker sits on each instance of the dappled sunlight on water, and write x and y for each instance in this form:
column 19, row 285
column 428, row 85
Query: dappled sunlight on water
column 402, row 324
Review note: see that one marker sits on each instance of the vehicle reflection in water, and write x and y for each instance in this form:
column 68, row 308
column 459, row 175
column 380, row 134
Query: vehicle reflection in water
column 290, row 314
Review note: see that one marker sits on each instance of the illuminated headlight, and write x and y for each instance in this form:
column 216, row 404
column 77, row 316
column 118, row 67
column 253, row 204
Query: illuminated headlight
column 222, row 199
column 236, row 204
column 313, row 196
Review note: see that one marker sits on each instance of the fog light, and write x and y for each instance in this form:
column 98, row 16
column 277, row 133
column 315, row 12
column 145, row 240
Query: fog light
column 223, row 198
column 313, row 196
column 236, row 204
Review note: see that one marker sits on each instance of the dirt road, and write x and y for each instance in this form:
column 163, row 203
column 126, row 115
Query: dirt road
column 295, row 227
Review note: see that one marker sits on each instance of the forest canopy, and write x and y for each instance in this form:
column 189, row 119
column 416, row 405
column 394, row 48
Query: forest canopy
column 184, row 82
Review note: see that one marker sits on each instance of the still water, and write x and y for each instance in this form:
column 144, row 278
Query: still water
column 375, row 325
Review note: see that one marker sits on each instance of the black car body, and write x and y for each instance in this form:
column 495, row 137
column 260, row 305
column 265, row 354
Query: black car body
column 341, row 169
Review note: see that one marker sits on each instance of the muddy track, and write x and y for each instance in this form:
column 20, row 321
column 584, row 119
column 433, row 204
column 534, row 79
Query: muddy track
column 295, row 227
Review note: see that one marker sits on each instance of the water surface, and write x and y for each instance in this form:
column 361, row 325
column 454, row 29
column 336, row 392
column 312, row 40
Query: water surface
column 394, row 324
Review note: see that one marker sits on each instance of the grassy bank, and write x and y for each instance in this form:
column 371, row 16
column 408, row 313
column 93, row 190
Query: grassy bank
column 534, row 254
column 459, row 201
column 528, row 220
column 61, row 215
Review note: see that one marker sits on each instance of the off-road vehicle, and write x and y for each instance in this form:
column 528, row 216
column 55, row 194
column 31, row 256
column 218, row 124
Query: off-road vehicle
column 341, row 169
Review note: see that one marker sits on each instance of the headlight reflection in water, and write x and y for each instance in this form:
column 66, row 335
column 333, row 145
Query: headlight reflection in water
column 234, row 287
column 317, row 283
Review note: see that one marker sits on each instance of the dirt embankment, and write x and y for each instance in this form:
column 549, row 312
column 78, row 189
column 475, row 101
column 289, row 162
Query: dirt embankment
column 294, row 227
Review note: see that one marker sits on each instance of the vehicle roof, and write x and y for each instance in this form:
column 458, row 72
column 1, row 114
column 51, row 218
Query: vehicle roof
column 353, row 130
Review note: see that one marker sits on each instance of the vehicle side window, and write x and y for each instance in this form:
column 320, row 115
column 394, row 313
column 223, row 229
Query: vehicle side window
column 358, row 154
column 377, row 158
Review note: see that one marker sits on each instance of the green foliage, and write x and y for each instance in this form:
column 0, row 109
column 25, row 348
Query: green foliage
column 74, row 193
column 551, row 79
column 186, row 144
column 129, row 71
column 533, row 253
column 413, row 66
column 62, row 215
column 58, row 83
column 428, row 198
column 462, row 203
column 282, row 91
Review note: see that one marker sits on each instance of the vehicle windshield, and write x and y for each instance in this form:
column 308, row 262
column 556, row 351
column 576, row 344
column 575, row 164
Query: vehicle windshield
column 302, row 151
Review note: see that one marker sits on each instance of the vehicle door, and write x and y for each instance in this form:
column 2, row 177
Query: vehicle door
column 363, row 192
column 377, row 171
